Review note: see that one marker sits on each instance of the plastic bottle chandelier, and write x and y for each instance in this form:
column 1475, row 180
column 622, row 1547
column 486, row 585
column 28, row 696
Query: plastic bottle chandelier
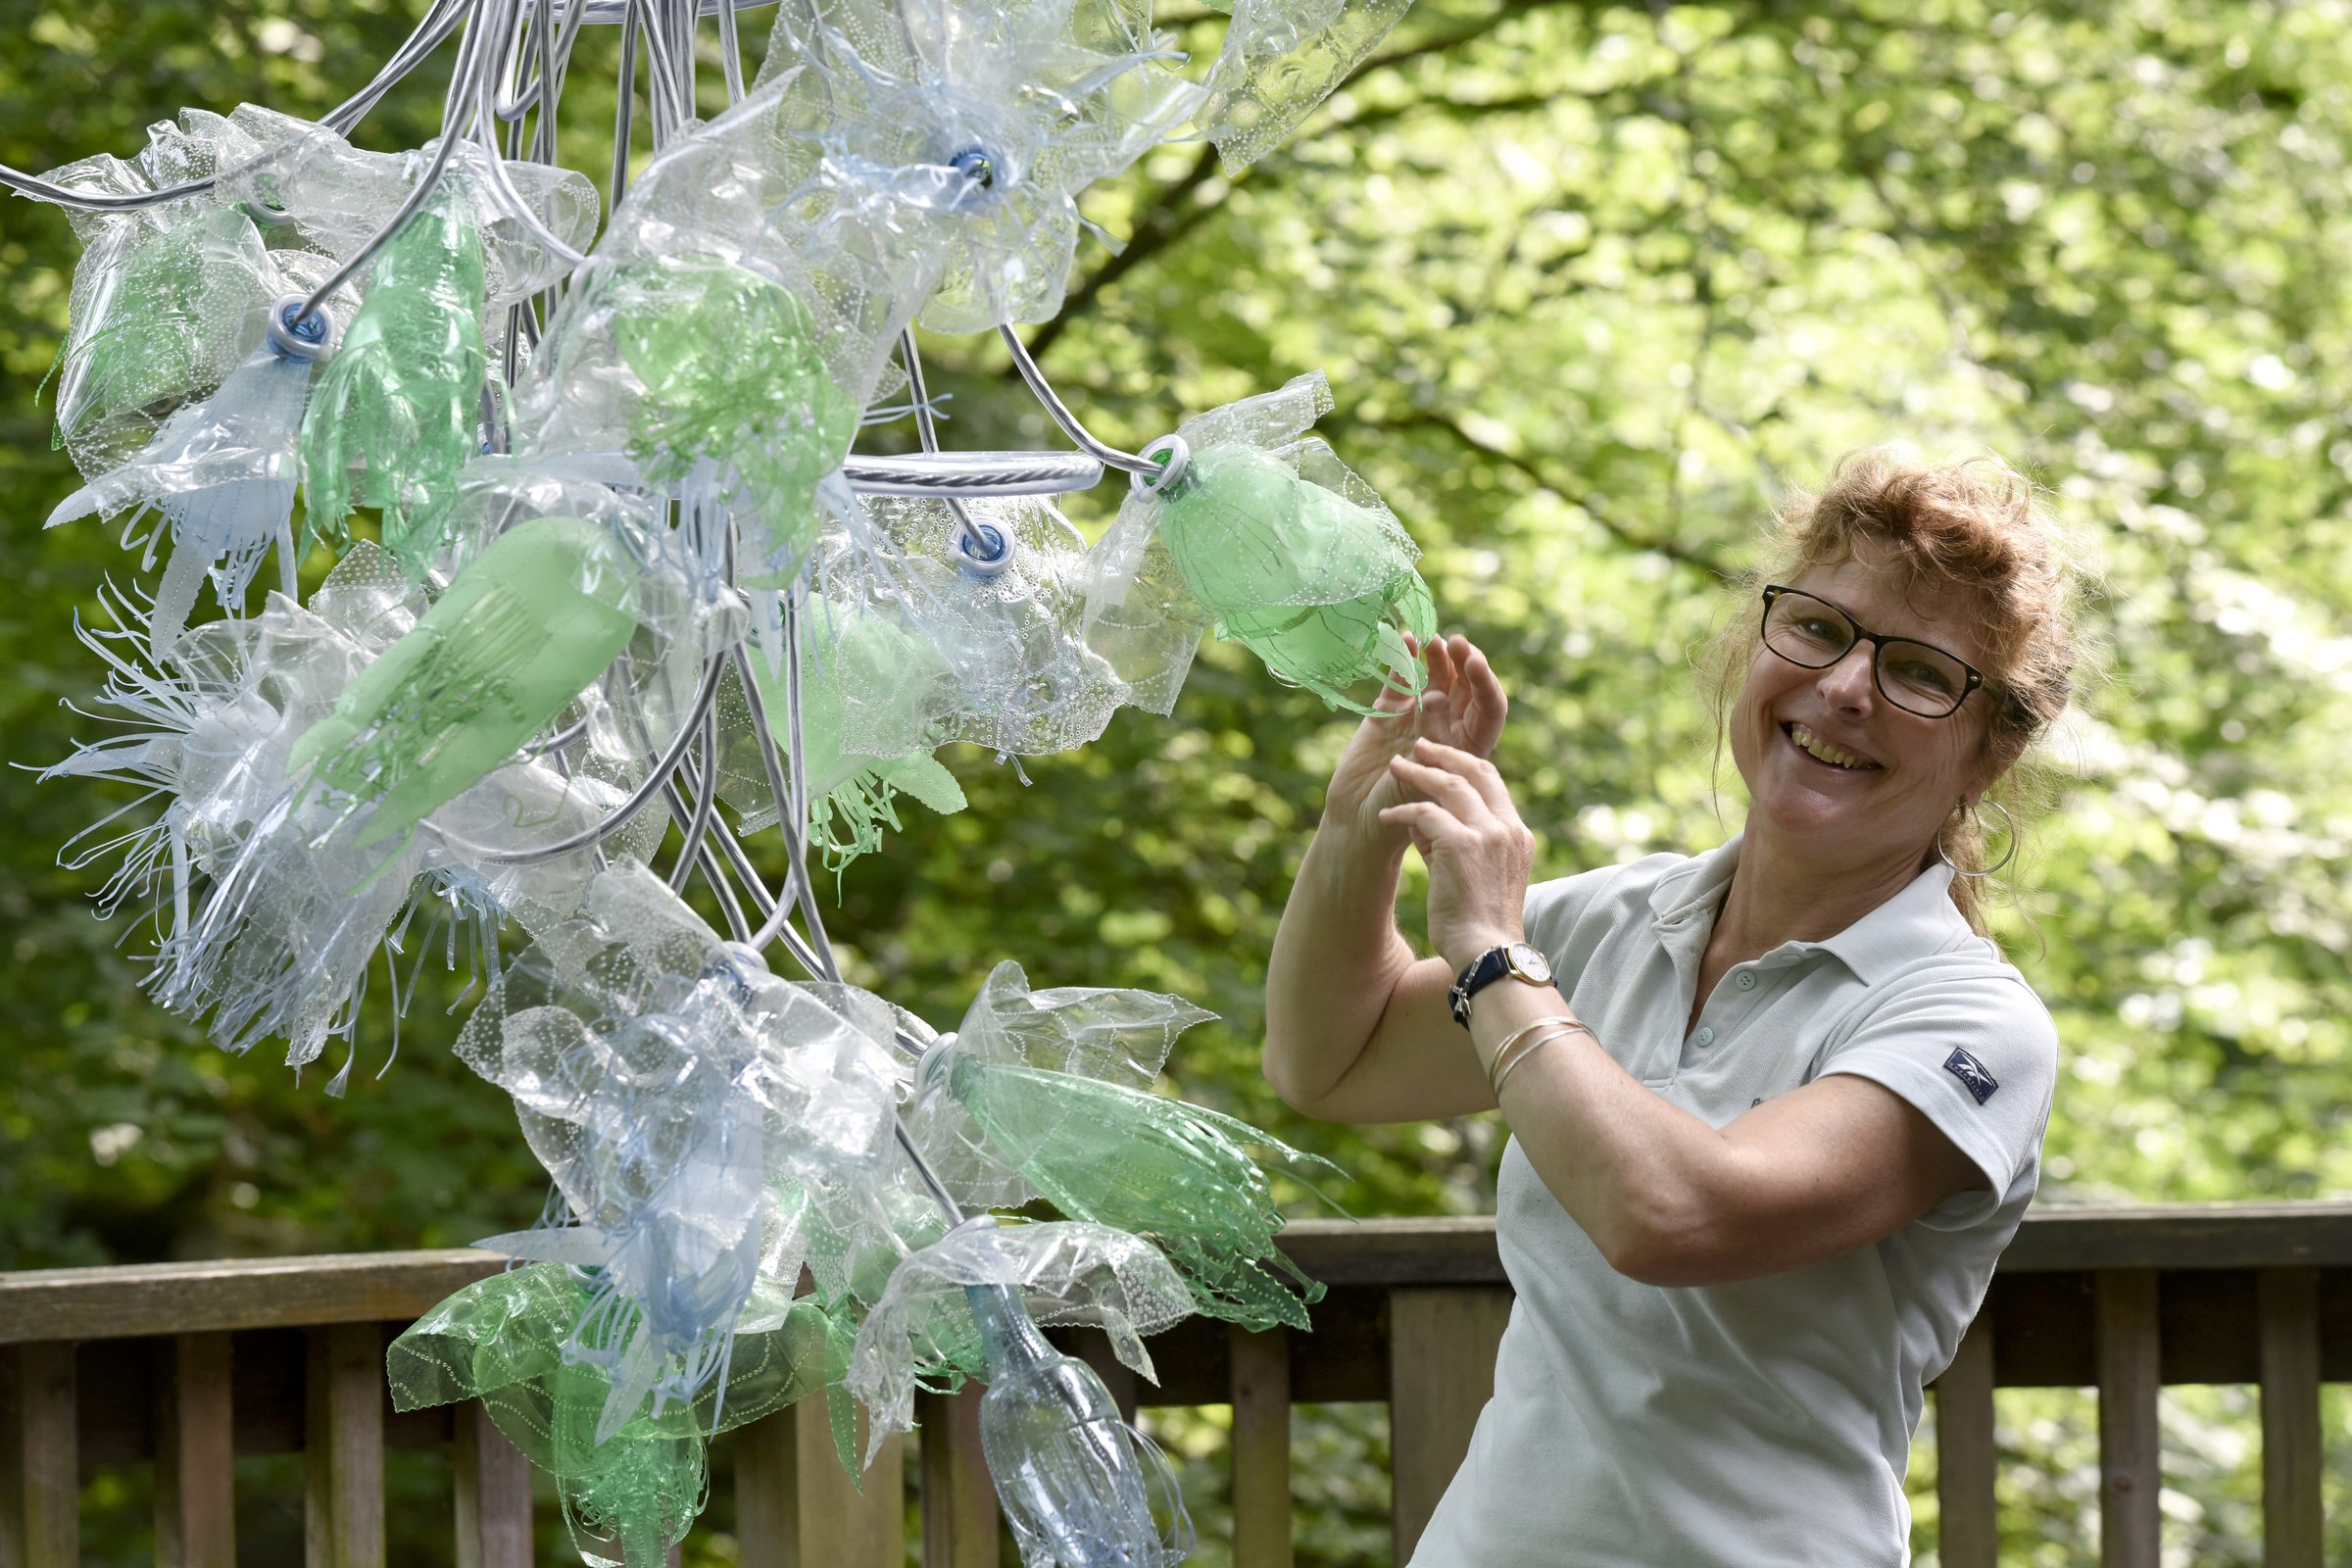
column 629, row 574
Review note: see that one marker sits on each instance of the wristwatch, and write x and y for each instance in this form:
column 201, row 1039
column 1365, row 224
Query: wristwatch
column 1516, row 960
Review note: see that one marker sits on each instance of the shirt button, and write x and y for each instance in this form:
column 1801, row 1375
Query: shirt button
column 1705, row 1037
column 1747, row 980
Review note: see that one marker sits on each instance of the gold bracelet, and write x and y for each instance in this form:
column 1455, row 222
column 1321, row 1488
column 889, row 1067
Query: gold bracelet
column 1561, row 1030
column 1521, row 1032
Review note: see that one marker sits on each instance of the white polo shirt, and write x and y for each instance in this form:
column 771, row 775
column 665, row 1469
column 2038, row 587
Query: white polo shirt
column 1767, row 1422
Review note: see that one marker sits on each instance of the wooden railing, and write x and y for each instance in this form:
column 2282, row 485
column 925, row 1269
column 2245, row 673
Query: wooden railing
column 185, row 1365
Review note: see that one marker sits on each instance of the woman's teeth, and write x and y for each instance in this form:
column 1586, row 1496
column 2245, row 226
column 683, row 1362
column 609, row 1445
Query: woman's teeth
column 1836, row 755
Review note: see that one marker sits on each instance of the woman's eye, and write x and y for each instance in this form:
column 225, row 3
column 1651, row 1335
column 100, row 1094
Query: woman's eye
column 1926, row 678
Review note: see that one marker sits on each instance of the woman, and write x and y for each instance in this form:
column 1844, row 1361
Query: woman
column 1777, row 1108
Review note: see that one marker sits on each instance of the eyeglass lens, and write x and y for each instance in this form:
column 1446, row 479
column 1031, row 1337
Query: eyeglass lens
column 1918, row 677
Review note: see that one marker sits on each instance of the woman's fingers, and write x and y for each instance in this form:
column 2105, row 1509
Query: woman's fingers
column 1474, row 772
column 1483, row 704
column 1462, row 702
column 1457, row 793
column 1427, row 821
column 1441, row 665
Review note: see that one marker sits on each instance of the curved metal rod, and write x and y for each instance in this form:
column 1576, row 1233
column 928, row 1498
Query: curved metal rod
column 508, row 107
column 682, row 25
column 440, row 22
column 970, row 542
column 811, row 965
column 791, row 812
column 707, row 860
column 555, row 58
column 660, row 74
column 706, row 799
column 462, row 87
column 484, row 131
column 555, row 742
column 1042, row 391
column 724, row 891
column 926, row 418
column 764, row 901
column 795, row 734
column 606, row 12
column 761, row 899
column 923, row 1171
column 625, row 109
column 730, row 53
column 431, row 33
column 596, row 833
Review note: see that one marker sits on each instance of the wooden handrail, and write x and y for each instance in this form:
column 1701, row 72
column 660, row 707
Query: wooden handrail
column 183, row 1364
column 140, row 1300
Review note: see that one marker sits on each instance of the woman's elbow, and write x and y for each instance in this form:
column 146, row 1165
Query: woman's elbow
column 1295, row 1088
column 1663, row 1244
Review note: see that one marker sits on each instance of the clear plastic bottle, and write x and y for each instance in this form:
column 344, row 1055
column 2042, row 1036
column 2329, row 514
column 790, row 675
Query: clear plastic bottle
column 1076, row 1482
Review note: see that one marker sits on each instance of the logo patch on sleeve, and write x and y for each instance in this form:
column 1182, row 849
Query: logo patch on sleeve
column 1972, row 1074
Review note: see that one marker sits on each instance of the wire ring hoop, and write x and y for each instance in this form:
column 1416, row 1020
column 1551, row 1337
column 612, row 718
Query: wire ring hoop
column 298, row 334
column 2009, row 821
column 1169, row 456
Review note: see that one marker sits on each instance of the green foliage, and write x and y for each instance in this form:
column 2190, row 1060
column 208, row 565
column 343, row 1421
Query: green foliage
column 1592, row 284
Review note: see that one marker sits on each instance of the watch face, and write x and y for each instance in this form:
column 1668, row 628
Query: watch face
column 1529, row 962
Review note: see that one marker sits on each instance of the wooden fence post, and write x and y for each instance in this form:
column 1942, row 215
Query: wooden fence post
column 1441, row 1343
column 959, row 1500
column 2288, row 1304
column 794, row 1508
column 343, row 1447
column 2131, row 1461
column 1261, row 1447
column 195, row 1453
column 40, row 1460
column 1969, row 1534
column 493, row 1493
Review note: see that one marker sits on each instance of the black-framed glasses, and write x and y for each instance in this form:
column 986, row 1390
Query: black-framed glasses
column 1917, row 678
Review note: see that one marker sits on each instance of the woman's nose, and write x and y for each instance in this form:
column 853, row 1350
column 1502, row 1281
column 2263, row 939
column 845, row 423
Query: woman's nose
column 1847, row 685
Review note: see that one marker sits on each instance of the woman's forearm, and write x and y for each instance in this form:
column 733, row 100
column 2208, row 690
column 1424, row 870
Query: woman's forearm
column 1808, row 1175
column 1639, row 1175
column 1337, row 958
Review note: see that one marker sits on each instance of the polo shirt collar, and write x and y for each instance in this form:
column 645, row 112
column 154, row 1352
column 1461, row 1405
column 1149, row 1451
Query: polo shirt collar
column 1919, row 920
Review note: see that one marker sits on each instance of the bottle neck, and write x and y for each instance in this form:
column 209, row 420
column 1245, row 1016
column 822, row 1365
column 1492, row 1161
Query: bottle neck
column 1006, row 1334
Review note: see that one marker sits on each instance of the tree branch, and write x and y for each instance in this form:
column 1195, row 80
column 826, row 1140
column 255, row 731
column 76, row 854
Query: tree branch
column 1163, row 226
column 1576, row 494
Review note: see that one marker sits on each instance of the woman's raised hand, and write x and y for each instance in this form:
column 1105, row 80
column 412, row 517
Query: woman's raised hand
column 1462, row 707
column 1480, row 854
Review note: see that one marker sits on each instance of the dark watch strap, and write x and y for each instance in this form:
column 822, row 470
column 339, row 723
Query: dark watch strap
column 1483, row 971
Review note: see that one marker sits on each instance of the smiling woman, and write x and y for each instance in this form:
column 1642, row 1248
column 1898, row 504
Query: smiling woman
column 1775, row 1108
column 1962, row 548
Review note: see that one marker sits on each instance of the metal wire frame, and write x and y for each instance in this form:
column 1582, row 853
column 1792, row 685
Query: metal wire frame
column 817, row 965
column 487, row 90
column 597, row 833
column 443, row 19
column 1034, row 377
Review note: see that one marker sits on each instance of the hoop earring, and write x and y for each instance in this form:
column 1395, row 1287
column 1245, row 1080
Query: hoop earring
column 2007, row 820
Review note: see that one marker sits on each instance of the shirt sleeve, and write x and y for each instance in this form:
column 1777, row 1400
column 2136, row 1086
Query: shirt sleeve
column 1974, row 1051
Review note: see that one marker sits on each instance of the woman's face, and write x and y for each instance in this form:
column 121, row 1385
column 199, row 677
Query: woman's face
column 1895, row 774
